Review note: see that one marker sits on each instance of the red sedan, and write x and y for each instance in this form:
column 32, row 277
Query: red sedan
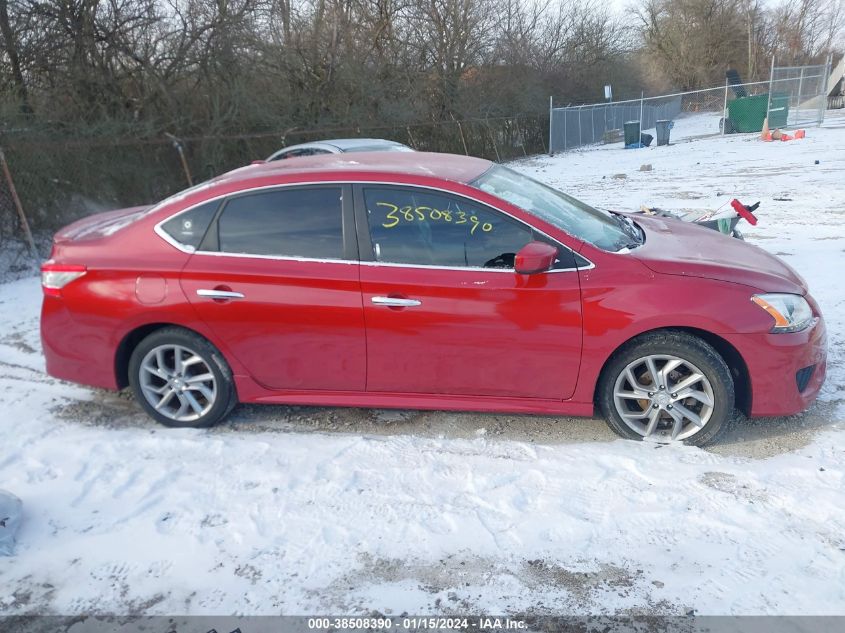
column 426, row 281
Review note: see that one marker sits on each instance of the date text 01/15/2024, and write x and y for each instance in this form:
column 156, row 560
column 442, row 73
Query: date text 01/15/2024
column 410, row 623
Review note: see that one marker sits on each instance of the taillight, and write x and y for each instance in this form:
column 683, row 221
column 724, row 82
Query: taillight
column 54, row 277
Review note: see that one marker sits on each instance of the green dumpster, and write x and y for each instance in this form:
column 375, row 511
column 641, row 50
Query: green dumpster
column 778, row 111
column 746, row 114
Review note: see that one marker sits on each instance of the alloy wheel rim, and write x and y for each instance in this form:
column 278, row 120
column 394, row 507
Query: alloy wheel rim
column 663, row 396
column 177, row 383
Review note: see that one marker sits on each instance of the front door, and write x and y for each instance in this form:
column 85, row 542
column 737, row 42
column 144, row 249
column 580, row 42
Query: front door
column 446, row 313
column 276, row 278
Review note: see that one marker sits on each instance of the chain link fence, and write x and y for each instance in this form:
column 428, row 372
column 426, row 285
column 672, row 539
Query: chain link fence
column 692, row 113
column 802, row 90
column 59, row 179
column 794, row 96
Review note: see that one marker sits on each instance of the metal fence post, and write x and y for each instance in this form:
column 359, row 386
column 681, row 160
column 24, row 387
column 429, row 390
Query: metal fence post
column 580, row 110
column 461, row 132
column 519, row 135
column 771, row 84
column 551, row 118
column 798, row 100
column 177, row 144
column 492, row 139
column 19, row 207
column 565, row 117
column 823, row 90
column 642, row 99
column 725, row 109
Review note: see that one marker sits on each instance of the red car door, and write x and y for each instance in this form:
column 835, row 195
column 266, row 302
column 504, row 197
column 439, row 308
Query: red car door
column 276, row 279
column 444, row 310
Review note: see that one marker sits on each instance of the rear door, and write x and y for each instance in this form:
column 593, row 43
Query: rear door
column 276, row 278
column 445, row 311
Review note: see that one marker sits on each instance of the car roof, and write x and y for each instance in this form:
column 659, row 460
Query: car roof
column 462, row 169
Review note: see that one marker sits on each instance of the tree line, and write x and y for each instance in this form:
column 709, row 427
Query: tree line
column 89, row 89
column 203, row 66
column 206, row 66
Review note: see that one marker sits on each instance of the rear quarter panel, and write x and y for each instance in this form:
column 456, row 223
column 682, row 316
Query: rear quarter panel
column 132, row 281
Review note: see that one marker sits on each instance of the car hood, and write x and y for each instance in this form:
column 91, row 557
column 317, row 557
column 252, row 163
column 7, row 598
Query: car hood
column 674, row 247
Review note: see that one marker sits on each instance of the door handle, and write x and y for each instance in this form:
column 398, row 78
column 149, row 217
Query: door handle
column 395, row 302
column 219, row 294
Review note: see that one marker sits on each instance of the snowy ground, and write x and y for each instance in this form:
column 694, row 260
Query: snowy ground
column 306, row 510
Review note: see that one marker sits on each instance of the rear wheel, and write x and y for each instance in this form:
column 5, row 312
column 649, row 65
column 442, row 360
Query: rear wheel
column 667, row 386
column 181, row 380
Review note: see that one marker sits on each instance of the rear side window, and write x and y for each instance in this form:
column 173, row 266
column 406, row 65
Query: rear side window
column 188, row 228
column 284, row 223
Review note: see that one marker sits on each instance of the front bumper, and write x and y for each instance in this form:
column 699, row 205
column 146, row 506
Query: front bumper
column 786, row 371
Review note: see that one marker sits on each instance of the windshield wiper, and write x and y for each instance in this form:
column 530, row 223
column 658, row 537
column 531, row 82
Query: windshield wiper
column 630, row 228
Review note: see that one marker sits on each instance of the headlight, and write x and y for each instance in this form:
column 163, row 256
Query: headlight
column 791, row 313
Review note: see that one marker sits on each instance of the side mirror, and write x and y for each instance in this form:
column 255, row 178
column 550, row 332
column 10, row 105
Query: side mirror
column 535, row 257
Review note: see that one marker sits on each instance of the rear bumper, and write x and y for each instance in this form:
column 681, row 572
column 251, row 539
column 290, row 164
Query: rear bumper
column 75, row 351
column 786, row 370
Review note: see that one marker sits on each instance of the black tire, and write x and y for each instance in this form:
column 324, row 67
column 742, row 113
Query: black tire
column 225, row 395
column 684, row 346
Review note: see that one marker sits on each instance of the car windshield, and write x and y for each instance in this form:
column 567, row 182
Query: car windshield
column 600, row 228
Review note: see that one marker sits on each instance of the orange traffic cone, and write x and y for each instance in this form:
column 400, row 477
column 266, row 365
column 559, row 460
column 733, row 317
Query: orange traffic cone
column 764, row 133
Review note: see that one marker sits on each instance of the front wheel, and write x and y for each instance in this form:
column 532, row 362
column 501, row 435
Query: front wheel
column 667, row 386
column 181, row 380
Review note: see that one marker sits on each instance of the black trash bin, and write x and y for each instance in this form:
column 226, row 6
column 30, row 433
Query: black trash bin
column 663, row 131
column 632, row 132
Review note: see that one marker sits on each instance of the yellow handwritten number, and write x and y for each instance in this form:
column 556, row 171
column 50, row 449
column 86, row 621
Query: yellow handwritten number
column 391, row 215
column 410, row 214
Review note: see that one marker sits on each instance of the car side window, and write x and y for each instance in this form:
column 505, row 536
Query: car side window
column 189, row 227
column 411, row 226
column 301, row 222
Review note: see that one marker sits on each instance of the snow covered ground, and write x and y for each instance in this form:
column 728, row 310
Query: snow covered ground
column 301, row 510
